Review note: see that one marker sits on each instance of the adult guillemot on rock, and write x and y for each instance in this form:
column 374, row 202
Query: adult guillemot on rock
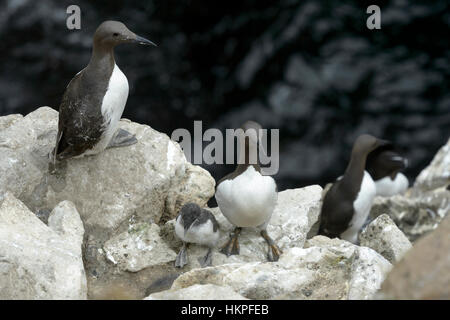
column 95, row 98
column 196, row 225
column 347, row 203
column 246, row 197
column 383, row 165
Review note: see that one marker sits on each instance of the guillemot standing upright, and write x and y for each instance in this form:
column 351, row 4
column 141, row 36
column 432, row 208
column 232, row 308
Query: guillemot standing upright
column 247, row 198
column 347, row 203
column 196, row 225
column 383, row 165
column 95, row 98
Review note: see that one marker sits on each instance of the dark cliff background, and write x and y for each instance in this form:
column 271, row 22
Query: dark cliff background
column 310, row 68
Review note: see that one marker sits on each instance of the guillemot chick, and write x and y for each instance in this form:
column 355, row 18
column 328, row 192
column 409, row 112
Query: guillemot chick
column 347, row 203
column 246, row 197
column 95, row 98
column 199, row 226
column 384, row 165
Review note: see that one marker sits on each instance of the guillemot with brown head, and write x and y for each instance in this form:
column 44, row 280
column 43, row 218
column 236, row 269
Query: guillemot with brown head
column 347, row 203
column 246, row 197
column 95, row 98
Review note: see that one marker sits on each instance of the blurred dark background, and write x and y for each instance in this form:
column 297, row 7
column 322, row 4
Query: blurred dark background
column 310, row 68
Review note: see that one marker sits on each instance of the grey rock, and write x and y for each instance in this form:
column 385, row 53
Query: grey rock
column 39, row 261
column 437, row 174
column 327, row 269
column 138, row 248
column 414, row 213
column 198, row 292
column 383, row 236
column 423, row 273
column 150, row 179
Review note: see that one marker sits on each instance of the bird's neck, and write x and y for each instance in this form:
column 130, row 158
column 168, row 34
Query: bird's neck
column 102, row 58
column 244, row 159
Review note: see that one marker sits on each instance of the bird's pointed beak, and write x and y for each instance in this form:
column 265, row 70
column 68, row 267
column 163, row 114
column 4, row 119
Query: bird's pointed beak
column 142, row 40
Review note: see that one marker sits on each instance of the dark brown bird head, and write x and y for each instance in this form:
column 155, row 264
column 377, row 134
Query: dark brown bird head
column 111, row 33
column 366, row 143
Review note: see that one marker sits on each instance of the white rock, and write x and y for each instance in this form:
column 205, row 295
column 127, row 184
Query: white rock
column 37, row 261
column 328, row 269
column 139, row 248
column 383, row 236
column 150, row 179
column 437, row 174
column 415, row 213
column 198, row 292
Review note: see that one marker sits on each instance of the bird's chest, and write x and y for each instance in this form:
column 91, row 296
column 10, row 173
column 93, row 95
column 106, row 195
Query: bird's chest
column 115, row 98
column 249, row 199
column 363, row 201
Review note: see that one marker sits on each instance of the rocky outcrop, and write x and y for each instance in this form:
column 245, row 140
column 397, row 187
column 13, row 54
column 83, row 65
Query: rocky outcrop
column 422, row 207
column 150, row 179
column 325, row 269
column 415, row 213
column 39, row 261
column 126, row 200
column 437, row 174
column 198, row 292
column 113, row 191
column 383, row 236
column 423, row 272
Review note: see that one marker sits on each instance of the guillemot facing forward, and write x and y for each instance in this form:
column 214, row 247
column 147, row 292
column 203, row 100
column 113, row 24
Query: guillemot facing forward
column 196, row 225
column 247, row 198
column 383, row 165
column 95, row 98
column 347, row 203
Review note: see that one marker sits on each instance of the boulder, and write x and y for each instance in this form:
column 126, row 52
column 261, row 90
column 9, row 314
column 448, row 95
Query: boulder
column 296, row 211
column 39, row 261
column 114, row 192
column 138, row 248
column 414, row 213
column 326, row 269
column 150, row 179
column 423, row 273
column 198, row 292
column 383, row 236
column 437, row 174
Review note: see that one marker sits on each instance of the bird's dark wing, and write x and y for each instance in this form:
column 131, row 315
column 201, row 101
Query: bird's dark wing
column 206, row 215
column 80, row 120
column 337, row 212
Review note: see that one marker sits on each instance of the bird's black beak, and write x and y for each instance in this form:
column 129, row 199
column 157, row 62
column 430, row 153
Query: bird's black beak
column 142, row 40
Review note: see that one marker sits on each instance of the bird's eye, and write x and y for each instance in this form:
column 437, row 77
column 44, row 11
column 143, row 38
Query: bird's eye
column 115, row 34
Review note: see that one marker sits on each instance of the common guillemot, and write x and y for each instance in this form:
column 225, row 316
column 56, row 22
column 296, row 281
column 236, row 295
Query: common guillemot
column 246, row 197
column 196, row 225
column 95, row 98
column 347, row 203
column 383, row 165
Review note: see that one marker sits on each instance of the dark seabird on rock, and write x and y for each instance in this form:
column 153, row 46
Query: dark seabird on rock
column 247, row 198
column 199, row 226
column 95, row 98
column 347, row 203
column 384, row 165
